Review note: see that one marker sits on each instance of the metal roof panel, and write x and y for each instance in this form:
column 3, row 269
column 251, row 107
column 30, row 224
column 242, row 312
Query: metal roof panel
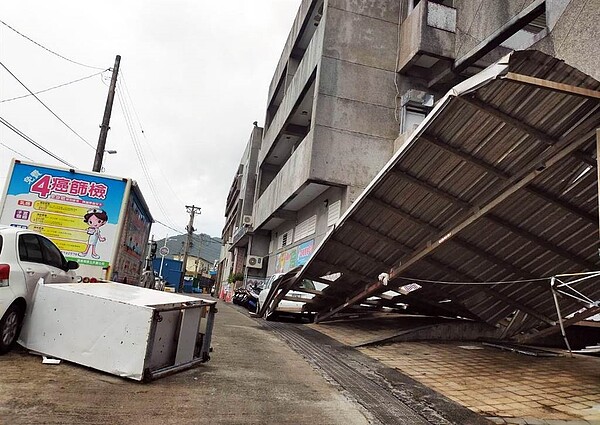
column 495, row 190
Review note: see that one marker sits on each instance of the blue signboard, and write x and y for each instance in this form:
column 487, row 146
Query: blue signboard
column 79, row 212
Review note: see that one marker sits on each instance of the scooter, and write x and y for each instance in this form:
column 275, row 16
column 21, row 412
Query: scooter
column 253, row 293
column 240, row 296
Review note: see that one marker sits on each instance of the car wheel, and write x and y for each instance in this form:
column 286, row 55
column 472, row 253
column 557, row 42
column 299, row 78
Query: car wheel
column 10, row 325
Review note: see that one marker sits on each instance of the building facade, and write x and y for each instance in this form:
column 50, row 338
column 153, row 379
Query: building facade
column 238, row 229
column 354, row 80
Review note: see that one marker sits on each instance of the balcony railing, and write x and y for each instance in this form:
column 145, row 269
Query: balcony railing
column 239, row 233
column 295, row 173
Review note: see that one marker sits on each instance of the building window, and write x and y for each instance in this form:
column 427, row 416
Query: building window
column 284, row 239
column 306, row 228
column 333, row 212
column 416, row 104
column 412, row 116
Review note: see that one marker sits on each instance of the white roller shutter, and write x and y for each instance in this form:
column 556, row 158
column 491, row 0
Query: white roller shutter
column 333, row 212
column 306, row 228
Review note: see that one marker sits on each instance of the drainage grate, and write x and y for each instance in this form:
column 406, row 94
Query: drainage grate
column 389, row 396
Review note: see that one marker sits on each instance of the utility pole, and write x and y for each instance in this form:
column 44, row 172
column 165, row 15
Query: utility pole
column 106, row 119
column 148, row 274
column 192, row 210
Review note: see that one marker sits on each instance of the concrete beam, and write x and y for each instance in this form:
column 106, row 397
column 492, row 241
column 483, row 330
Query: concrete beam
column 502, row 34
column 285, row 215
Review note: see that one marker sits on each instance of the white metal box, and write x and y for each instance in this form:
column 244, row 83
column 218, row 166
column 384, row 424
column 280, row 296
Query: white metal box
column 125, row 330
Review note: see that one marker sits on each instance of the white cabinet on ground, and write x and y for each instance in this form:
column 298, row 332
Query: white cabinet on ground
column 125, row 330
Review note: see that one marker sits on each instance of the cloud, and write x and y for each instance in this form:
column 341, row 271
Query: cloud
column 197, row 75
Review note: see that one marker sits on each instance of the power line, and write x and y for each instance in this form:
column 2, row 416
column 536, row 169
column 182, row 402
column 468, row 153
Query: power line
column 196, row 237
column 166, row 180
column 138, row 148
column 52, row 88
column 46, row 106
column 169, row 227
column 139, row 152
column 18, row 153
column 47, row 49
column 34, row 143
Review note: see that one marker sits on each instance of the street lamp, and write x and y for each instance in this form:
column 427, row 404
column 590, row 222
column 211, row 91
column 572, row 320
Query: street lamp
column 110, row 152
column 162, row 260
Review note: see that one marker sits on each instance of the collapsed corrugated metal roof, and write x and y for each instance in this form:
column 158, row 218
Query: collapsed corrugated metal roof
column 498, row 184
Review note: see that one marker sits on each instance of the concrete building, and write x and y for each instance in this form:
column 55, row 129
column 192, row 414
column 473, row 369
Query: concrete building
column 354, row 80
column 325, row 135
column 238, row 228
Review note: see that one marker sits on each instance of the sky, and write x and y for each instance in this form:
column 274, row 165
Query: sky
column 194, row 76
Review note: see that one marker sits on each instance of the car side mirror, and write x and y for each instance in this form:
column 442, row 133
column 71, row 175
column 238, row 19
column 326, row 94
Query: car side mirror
column 72, row 265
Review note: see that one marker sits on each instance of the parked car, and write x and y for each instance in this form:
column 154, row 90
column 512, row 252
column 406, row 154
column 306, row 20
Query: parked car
column 286, row 307
column 25, row 258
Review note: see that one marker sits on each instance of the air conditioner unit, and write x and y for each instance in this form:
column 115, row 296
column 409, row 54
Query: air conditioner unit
column 247, row 220
column 254, row 261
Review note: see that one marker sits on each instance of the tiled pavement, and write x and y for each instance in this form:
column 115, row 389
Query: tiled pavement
column 508, row 388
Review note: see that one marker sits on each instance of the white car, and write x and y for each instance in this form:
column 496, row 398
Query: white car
column 25, row 257
column 286, row 306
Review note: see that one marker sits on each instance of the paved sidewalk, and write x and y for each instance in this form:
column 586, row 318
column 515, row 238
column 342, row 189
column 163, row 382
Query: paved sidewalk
column 252, row 378
column 391, row 397
column 506, row 387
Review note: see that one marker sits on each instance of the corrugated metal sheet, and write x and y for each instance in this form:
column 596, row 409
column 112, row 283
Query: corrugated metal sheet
column 498, row 184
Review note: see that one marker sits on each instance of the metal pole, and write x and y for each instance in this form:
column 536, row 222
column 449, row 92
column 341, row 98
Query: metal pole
column 106, row 119
column 560, row 320
column 162, row 260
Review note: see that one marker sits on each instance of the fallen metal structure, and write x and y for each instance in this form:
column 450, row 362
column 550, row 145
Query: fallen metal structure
column 494, row 194
column 125, row 330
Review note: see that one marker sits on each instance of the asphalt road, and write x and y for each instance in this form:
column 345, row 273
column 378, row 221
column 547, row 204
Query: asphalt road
column 252, row 378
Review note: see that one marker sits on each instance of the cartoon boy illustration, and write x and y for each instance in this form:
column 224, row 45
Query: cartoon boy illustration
column 95, row 218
